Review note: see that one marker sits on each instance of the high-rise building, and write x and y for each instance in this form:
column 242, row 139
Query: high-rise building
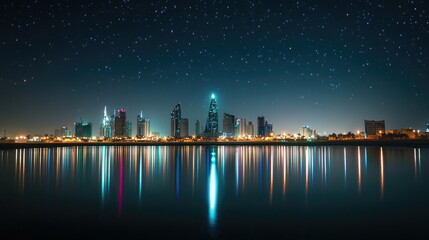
column 307, row 132
column 250, row 129
column 83, row 129
column 175, row 117
column 228, row 125
column 261, row 126
column 128, row 129
column 211, row 129
column 269, row 129
column 427, row 127
column 143, row 126
column 374, row 128
column 240, row 127
column 106, row 125
column 62, row 132
column 184, row 127
column 197, row 128
column 120, row 123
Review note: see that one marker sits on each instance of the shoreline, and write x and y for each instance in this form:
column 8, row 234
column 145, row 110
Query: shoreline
column 375, row 143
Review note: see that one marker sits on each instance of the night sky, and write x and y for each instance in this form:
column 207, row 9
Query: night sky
column 326, row 64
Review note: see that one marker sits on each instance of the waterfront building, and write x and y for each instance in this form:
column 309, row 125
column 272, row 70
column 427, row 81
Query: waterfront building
column 184, row 128
column 249, row 129
column 120, row 123
column 143, row 126
column 83, row 129
column 374, row 128
column 269, row 128
column 62, row 132
column 211, row 129
column 261, row 126
column 427, row 128
column 156, row 134
column 106, row 125
column 228, row 124
column 197, row 128
column 307, row 133
column 175, row 117
column 240, row 127
column 128, row 129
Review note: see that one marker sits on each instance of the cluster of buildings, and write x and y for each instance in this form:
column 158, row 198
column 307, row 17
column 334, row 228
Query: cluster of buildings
column 117, row 126
column 232, row 127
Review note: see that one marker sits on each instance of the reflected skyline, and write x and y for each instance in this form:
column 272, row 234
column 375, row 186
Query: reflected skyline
column 136, row 179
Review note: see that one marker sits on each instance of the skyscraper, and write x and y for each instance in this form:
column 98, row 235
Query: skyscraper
column 106, row 126
column 228, row 125
column 128, row 129
column 261, row 126
column 249, row 129
column 83, row 129
column 143, row 126
column 427, row 127
column 374, row 128
column 175, row 117
column 184, row 127
column 120, row 120
column 211, row 129
column 240, row 127
column 197, row 128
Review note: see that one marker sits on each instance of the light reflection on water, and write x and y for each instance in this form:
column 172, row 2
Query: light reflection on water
column 140, row 177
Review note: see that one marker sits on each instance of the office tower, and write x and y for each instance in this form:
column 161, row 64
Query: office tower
column 240, row 127
column 269, row 129
column 261, row 126
column 374, row 128
column 307, row 132
column 427, row 127
column 211, row 129
column 175, row 117
column 184, row 127
column 128, row 129
column 143, row 126
column 228, row 125
column 249, row 129
column 106, row 125
column 197, row 128
column 62, row 132
column 83, row 129
column 120, row 123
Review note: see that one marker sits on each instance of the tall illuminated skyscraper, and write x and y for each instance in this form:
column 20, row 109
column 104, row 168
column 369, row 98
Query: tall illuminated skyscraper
column 175, row 117
column 240, row 127
column 143, row 126
column 211, row 129
column 106, row 126
column 120, row 123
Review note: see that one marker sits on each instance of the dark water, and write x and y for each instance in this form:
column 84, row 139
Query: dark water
column 215, row 192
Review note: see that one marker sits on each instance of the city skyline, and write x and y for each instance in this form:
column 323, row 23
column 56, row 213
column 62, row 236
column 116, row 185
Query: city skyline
column 328, row 65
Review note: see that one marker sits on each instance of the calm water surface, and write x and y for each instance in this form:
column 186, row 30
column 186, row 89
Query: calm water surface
column 215, row 192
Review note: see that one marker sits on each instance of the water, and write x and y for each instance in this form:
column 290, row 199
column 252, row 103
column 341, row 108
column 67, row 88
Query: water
column 215, row 192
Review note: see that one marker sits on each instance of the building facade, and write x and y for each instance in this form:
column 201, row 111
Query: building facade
column 83, row 129
column 211, row 129
column 175, row 117
column 120, row 123
column 374, row 128
column 106, row 125
column 143, row 126
column 228, row 124
column 261, row 126
column 250, row 129
column 184, row 124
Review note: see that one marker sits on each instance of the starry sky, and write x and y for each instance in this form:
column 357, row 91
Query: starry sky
column 326, row 64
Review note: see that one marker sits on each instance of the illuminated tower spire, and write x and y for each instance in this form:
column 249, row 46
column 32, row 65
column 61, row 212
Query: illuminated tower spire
column 211, row 129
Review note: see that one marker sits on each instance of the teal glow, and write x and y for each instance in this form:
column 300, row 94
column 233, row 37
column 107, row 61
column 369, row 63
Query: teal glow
column 213, row 96
column 213, row 185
